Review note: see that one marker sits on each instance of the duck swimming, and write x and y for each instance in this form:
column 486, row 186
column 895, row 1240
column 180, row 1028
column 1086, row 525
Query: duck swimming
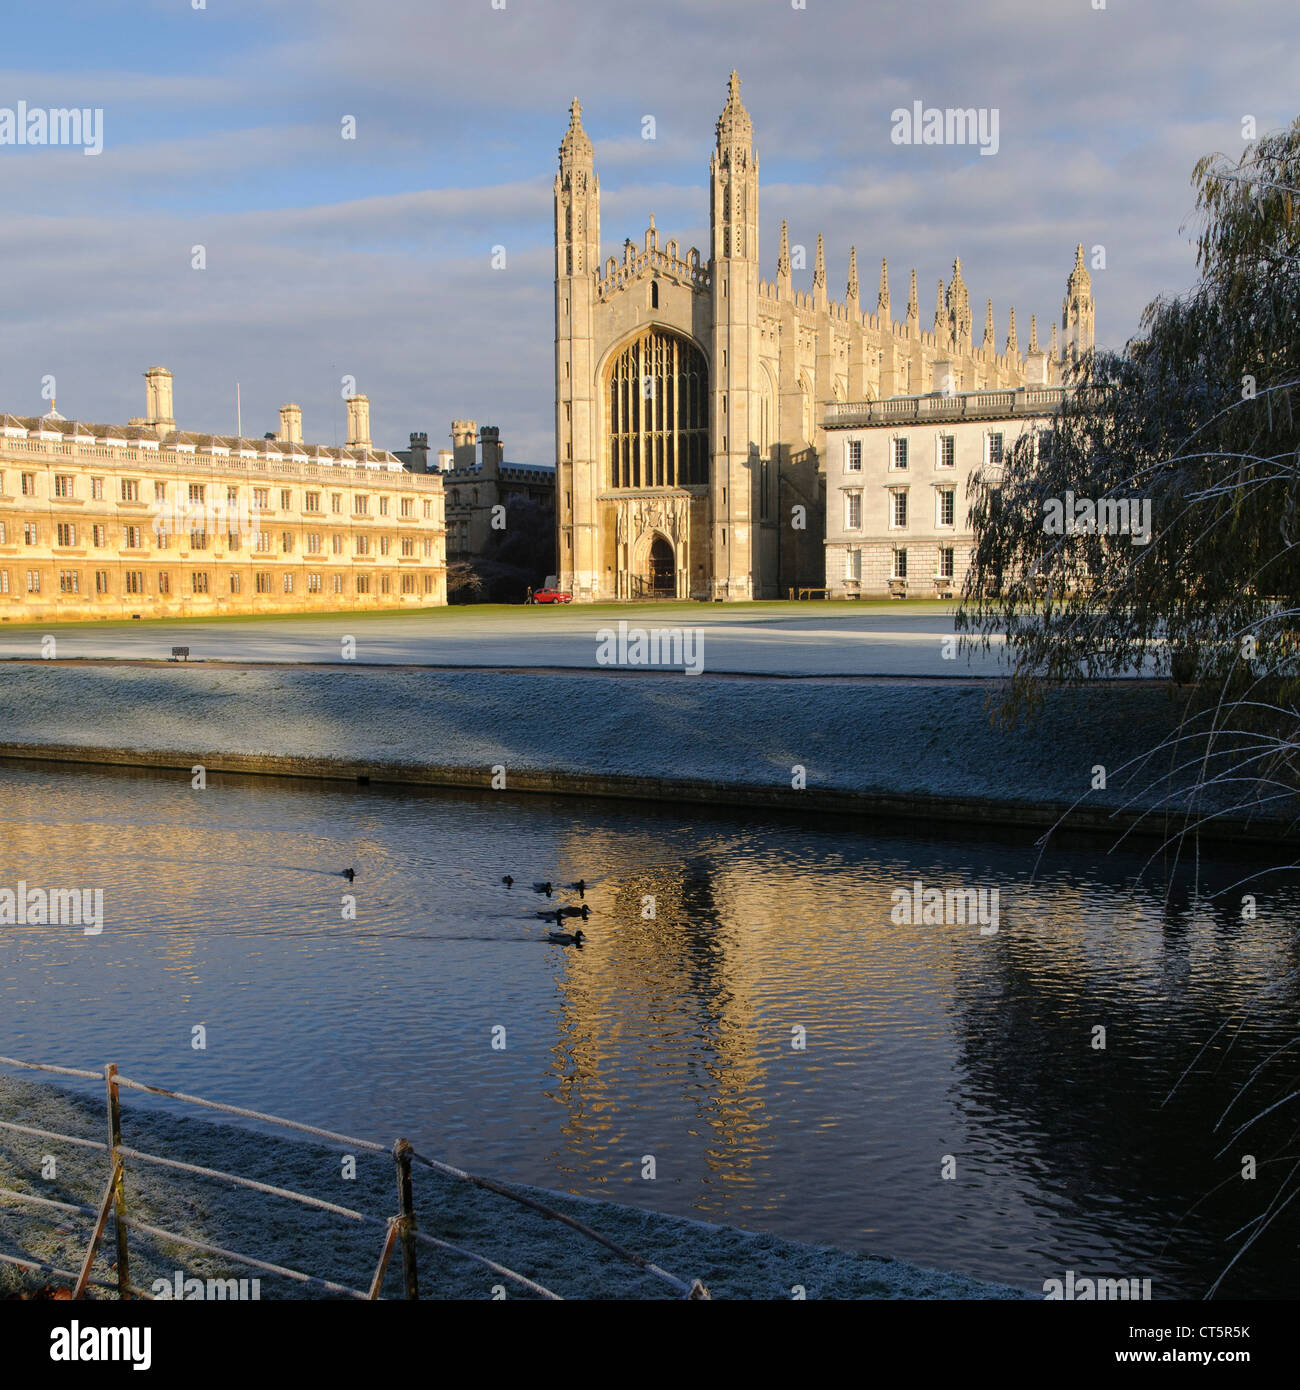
column 584, row 912
column 581, row 886
column 349, row 874
column 563, row 938
column 542, row 888
column 508, row 881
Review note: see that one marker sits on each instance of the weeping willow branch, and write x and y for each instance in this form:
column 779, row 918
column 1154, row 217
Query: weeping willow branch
column 1197, row 419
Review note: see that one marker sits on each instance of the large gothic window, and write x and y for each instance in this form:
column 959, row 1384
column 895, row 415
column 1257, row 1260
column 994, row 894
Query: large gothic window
column 658, row 413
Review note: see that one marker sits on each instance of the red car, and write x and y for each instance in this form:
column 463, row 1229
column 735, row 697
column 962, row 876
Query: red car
column 551, row 596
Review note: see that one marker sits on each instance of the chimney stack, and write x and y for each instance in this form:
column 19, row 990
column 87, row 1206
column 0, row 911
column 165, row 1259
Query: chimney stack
column 491, row 438
column 158, row 400
column 358, row 422
column 290, row 424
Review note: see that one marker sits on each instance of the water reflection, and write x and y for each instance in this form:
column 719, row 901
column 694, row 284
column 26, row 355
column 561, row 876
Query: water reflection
column 717, row 942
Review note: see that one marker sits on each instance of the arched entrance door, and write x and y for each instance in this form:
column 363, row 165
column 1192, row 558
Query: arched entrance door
column 661, row 579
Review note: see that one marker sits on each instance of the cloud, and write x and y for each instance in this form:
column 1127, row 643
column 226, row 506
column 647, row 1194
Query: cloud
column 372, row 257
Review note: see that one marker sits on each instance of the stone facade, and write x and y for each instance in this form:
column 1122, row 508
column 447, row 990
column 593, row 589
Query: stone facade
column 476, row 478
column 145, row 520
column 690, row 445
column 898, row 485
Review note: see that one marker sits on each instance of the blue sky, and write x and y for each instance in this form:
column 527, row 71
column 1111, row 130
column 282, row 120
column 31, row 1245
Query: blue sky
column 371, row 257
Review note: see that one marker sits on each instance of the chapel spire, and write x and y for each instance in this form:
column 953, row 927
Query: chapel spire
column 577, row 201
column 576, row 146
column 1077, row 313
column 783, row 263
column 733, row 172
column 959, row 323
column 735, row 131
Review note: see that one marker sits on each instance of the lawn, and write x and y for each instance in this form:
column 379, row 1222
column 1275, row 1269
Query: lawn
column 487, row 612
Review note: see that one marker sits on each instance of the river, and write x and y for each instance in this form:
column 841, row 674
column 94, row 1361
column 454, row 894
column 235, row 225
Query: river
column 747, row 1036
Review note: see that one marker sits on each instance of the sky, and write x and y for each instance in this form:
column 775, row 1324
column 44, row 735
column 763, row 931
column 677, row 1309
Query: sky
column 372, row 258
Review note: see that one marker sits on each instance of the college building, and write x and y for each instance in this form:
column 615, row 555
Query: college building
column 898, row 485
column 691, row 443
column 476, row 480
column 145, row 520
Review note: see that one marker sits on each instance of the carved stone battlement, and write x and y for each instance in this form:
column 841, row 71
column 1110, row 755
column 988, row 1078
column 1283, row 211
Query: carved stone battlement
column 689, row 271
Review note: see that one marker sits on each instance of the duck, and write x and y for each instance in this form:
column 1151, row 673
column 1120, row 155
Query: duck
column 563, row 938
column 508, row 881
column 349, row 874
column 542, row 888
column 581, row 887
column 584, row 912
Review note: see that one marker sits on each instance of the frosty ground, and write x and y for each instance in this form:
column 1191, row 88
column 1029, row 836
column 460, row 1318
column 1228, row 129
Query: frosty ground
column 731, row 1263
column 922, row 737
column 757, row 638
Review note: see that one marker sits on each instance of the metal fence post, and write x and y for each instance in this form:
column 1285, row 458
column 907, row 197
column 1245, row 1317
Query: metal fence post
column 406, row 1199
column 115, row 1164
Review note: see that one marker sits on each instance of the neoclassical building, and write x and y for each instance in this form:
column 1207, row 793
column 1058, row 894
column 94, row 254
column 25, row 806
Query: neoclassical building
column 145, row 520
column 898, row 485
column 690, row 392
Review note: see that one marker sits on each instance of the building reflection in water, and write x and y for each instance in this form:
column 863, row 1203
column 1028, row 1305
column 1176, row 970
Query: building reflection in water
column 1064, row 1121
column 671, row 1035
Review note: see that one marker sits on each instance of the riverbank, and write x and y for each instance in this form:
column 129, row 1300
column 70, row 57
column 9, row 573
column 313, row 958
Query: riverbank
column 926, row 750
column 731, row 1263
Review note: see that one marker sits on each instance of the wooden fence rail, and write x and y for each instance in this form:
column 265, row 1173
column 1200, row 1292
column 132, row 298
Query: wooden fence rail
column 401, row 1228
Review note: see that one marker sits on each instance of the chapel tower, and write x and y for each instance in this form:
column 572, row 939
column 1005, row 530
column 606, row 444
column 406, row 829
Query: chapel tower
column 733, row 276
column 692, row 395
column 577, row 262
column 1077, row 311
